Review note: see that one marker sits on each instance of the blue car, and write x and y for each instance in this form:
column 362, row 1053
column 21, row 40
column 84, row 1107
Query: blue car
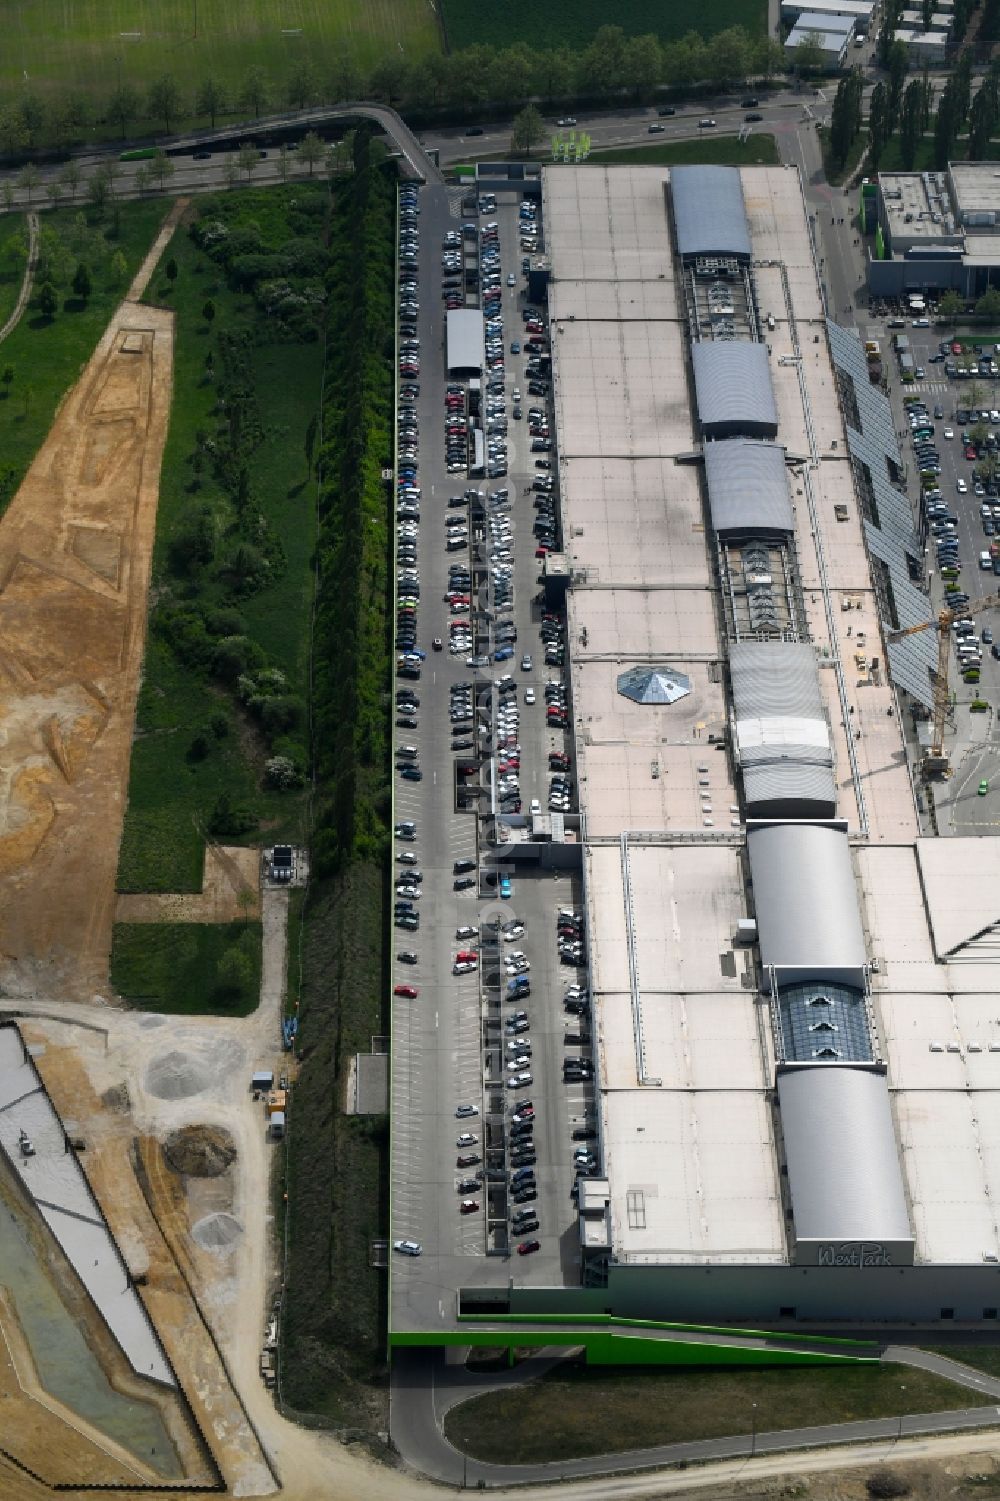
column 412, row 773
column 504, row 654
column 515, row 347
column 506, row 889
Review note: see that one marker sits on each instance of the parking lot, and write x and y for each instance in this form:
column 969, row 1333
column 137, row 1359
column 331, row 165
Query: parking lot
column 952, row 426
column 481, row 732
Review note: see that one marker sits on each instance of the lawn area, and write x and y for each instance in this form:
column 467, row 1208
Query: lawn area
column 982, row 1357
column 561, row 24
column 572, row 1414
column 725, row 151
column 11, row 264
column 891, row 161
column 188, row 969
column 48, row 356
column 225, row 677
column 90, row 48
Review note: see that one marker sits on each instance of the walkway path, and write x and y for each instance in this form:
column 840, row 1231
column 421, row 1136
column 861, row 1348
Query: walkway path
column 142, row 277
column 29, row 276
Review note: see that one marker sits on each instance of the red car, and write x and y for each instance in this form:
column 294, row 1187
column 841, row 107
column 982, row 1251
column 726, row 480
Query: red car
column 527, row 1246
column 409, row 991
column 956, row 348
column 469, row 1206
column 467, row 956
column 970, row 453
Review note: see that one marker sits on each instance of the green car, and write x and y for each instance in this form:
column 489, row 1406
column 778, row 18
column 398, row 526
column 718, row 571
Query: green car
column 984, row 787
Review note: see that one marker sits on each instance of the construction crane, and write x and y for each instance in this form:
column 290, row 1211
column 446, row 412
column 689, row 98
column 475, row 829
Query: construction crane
column 936, row 760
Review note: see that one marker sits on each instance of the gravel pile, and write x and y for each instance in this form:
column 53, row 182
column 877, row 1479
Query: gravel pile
column 175, row 1075
column 217, row 1232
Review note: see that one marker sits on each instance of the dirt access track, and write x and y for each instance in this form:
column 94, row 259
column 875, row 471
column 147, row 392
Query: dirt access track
column 75, row 549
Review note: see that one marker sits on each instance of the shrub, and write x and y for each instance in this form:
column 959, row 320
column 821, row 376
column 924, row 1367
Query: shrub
column 885, row 1485
column 281, row 774
column 225, row 622
column 282, row 713
column 232, row 657
column 228, row 817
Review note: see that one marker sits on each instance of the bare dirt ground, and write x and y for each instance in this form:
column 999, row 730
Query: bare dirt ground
column 75, row 547
column 230, row 892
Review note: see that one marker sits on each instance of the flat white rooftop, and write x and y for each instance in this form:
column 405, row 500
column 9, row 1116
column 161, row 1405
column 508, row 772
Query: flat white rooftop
column 975, row 187
column 686, row 1058
column 690, row 1150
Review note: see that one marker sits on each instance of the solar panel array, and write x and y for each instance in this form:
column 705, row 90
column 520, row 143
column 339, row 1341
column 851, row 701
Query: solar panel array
column 892, row 538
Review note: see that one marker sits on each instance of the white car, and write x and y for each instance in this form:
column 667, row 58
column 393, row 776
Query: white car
column 961, row 486
column 467, row 1139
column 518, row 1081
column 949, row 432
column 536, row 806
column 529, row 695
column 407, row 1247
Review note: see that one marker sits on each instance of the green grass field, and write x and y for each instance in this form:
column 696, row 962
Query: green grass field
column 11, row 264
column 563, row 25
column 174, row 967
column 578, row 1412
column 726, row 151
column 171, row 791
column 78, row 46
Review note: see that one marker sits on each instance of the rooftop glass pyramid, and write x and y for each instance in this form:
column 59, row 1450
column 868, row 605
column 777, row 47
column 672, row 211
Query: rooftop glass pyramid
column 653, row 685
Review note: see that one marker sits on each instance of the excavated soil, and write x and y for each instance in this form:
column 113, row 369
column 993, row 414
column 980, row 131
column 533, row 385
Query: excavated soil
column 75, row 547
column 200, row 1151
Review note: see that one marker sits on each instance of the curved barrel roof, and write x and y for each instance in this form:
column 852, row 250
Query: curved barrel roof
column 844, row 1176
column 710, row 217
column 805, row 897
column 733, row 390
column 747, row 488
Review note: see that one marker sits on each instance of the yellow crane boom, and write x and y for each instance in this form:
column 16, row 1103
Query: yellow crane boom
column 942, row 623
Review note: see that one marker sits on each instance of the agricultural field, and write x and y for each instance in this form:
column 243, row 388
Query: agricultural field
column 91, row 48
column 467, row 22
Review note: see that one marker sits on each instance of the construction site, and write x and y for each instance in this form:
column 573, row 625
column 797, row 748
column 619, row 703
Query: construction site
column 135, row 1171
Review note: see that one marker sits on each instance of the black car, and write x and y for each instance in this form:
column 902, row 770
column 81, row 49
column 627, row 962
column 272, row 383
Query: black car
column 666, row 109
column 527, row 1197
column 584, row 1133
column 464, row 883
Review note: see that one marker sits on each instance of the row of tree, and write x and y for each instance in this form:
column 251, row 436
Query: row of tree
column 611, row 65
column 958, row 110
column 100, row 186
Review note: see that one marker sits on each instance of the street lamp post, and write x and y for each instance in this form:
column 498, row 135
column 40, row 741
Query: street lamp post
column 753, row 1429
